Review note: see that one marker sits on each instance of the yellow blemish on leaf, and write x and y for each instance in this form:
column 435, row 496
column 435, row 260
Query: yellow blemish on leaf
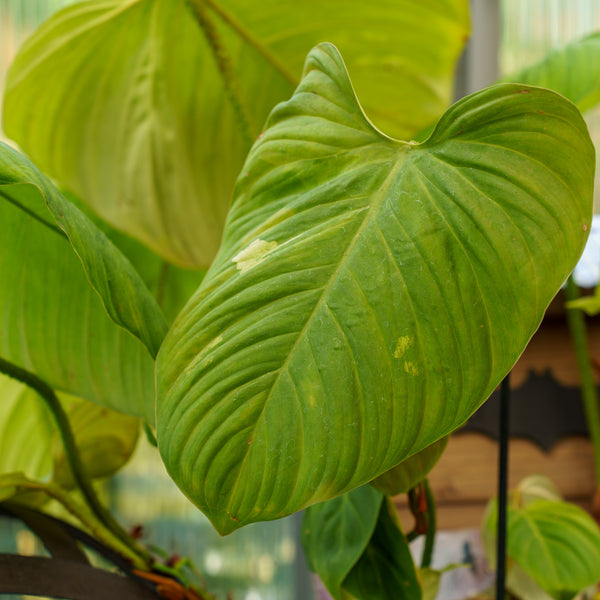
column 253, row 254
column 411, row 367
column 404, row 343
column 279, row 217
column 214, row 342
column 201, row 359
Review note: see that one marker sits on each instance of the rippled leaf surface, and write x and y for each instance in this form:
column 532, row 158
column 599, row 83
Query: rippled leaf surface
column 123, row 101
column 369, row 293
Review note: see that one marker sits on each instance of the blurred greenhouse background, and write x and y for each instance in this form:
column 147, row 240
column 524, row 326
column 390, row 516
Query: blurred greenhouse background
column 266, row 556
column 259, row 562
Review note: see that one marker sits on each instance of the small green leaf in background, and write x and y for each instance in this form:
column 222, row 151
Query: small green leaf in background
column 411, row 471
column 299, row 371
column 386, row 570
column 30, row 443
column 356, row 546
column 572, row 70
column 148, row 116
column 105, row 439
column 557, row 544
column 588, row 304
column 534, row 487
column 120, row 288
column 430, row 579
column 523, row 586
column 61, row 283
column 335, row 534
column 553, row 545
column 16, row 486
column 24, row 418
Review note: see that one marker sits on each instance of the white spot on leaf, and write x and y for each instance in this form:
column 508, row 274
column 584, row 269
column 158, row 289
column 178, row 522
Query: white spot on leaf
column 250, row 256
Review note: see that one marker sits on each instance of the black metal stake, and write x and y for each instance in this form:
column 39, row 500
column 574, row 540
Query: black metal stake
column 502, row 489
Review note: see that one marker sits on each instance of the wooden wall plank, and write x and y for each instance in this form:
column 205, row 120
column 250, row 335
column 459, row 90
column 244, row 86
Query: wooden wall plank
column 465, row 477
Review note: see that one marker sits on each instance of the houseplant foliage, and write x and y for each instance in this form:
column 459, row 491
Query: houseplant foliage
column 368, row 293
column 272, row 443
column 194, row 91
column 553, row 546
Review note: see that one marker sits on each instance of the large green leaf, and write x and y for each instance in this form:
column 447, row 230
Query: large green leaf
column 124, row 102
column 369, row 294
column 557, row 544
column 53, row 322
column 336, row 533
column 573, row 71
column 171, row 286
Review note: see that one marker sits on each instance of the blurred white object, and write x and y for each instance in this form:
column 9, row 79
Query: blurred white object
column 587, row 271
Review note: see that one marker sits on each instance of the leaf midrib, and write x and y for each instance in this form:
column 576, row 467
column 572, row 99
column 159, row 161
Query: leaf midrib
column 33, row 215
column 377, row 200
column 534, row 529
column 254, row 42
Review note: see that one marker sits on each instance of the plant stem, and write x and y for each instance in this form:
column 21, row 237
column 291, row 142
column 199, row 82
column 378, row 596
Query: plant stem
column 253, row 41
column 589, row 391
column 87, row 518
column 73, row 457
column 431, row 526
column 225, row 67
column 501, row 533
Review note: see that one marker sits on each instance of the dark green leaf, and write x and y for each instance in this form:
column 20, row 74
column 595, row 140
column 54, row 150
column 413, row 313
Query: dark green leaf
column 336, row 533
column 386, row 570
